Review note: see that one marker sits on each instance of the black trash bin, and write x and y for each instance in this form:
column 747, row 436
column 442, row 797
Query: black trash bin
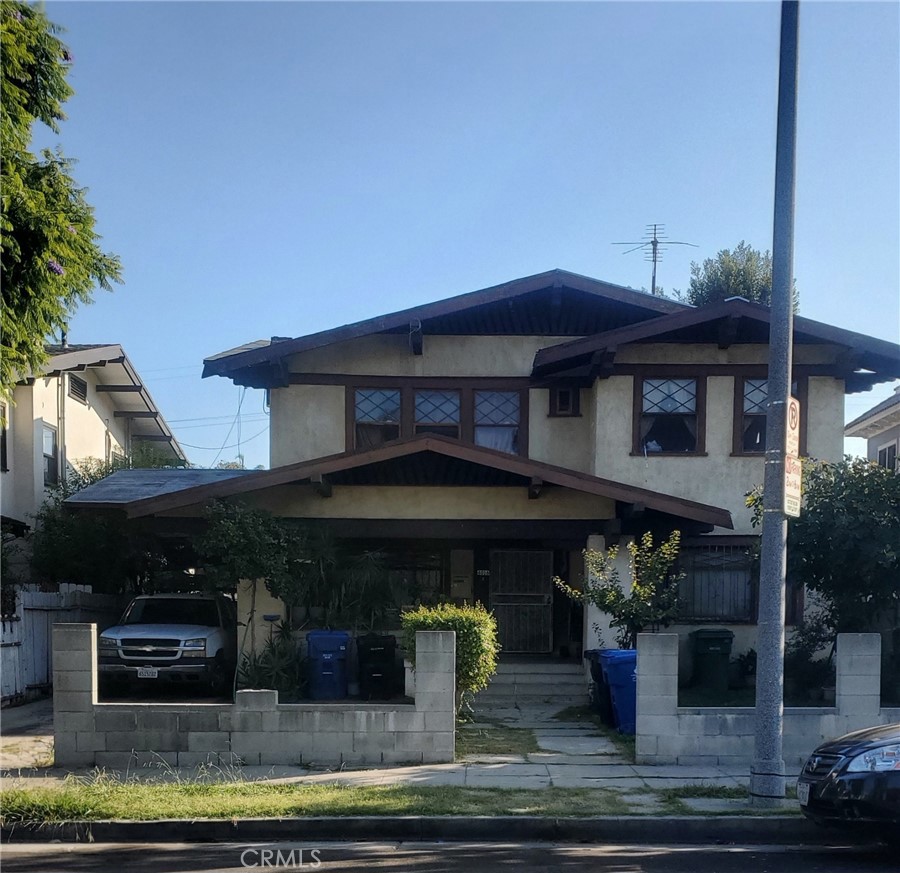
column 712, row 651
column 601, row 702
column 377, row 666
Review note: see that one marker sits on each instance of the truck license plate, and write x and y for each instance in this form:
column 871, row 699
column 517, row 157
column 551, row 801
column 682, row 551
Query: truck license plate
column 148, row 673
column 803, row 793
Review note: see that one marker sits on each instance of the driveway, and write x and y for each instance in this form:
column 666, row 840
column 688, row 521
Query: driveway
column 26, row 735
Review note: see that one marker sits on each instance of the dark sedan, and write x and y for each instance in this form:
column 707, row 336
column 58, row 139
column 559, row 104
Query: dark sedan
column 855, row 780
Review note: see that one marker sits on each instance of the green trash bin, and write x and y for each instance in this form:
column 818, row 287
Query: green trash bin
column 712, row 652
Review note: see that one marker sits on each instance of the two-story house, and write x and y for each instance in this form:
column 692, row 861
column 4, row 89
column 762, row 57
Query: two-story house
column 89, row 402
column 483, row 441
column 880, row 426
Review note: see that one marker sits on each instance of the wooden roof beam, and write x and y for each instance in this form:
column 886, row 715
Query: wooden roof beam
column 135, row 413
column 120, row 389
column 534, row 488
column 321, row 485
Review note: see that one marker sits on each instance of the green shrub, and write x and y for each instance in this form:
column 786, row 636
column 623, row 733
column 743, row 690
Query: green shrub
column 476, row 640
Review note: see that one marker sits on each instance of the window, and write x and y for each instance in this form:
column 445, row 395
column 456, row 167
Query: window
column 750, row 402
column 887, row 456
column 51, row 456
column 377, row 417
column 565, row 402
column 718, row 584
column 77, row 388
column 753, row 423
column 4, row 458
column 668, row 417
column 437, row 412
column 497, row 420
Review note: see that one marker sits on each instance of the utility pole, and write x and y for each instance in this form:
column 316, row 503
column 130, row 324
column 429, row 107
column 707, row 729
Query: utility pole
column 767, row 782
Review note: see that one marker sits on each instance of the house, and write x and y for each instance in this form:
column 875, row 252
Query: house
column 484, row 441
column 89, row 402
column 880, row 426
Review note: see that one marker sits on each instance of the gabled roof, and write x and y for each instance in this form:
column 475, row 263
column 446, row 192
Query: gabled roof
column 876, row 420
column 555, row 303
column 730, row 321
column 116, row 376
column 162, row 495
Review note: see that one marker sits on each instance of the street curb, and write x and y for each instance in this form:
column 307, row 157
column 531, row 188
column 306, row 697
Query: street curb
column 754, row 830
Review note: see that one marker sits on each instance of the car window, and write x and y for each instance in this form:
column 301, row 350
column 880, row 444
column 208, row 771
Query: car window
column 171, row 610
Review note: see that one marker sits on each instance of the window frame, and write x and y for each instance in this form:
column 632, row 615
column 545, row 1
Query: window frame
column 638, row 410
column 574, row 410
column 408, row 388
column 737, row 428
column 72, row 379
column 53, row 479
column 4, row 438
column 426, row 425
column 731, row 542
column 891, row 444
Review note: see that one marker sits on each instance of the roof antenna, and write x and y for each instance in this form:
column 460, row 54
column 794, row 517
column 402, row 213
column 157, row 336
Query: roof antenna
column 654, row 245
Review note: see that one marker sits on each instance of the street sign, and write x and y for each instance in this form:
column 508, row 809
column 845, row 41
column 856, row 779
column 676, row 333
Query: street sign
column 793, row 478
column 792, row 441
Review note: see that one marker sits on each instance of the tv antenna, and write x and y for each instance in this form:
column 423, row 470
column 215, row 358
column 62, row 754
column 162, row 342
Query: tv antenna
column 654, row 245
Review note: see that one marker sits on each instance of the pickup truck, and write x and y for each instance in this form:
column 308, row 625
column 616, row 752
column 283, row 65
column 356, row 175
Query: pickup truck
column 171, row 638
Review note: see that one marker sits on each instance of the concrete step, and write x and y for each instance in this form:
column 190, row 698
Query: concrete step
column 563, row 680
column 549, row 668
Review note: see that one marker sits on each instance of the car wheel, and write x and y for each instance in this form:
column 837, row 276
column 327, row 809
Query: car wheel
column 219, row 679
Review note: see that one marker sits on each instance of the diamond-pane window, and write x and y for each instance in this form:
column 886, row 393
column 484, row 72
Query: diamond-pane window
column 669, row 416
column 378, row 405
column 756, row 396
column 497, row 407
column 437, row 407
column 670, row 396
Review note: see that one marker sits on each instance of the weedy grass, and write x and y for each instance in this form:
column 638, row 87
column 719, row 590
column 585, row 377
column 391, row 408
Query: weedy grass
column 494, row 739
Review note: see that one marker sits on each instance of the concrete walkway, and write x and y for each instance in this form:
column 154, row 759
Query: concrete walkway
column 572, row 754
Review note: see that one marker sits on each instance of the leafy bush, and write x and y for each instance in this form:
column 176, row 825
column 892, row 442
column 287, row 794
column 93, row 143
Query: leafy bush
column 652, row 601
column 476, row 640
column 278, row 666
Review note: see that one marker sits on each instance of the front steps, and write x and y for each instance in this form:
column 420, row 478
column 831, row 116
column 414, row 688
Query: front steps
column 535, row 683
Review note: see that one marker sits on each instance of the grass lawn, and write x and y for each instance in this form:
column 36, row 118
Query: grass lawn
column 494, row 740
column 105, row 798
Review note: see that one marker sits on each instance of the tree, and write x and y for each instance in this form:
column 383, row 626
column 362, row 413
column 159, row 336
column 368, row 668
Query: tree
column 741, row 272
column 51, row 260
column 653, row 597
column 845, row 546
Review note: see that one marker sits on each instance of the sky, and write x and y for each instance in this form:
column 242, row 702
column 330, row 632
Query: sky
column 282, row 168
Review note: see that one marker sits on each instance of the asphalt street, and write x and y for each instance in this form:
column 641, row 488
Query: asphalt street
column 432, row 857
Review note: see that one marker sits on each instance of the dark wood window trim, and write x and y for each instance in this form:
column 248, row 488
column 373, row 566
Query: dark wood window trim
column 408, row 388
column 638, row 410
column 737, row 428
column 558, row 406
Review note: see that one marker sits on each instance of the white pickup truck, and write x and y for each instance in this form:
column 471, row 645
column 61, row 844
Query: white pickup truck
column 172, row 638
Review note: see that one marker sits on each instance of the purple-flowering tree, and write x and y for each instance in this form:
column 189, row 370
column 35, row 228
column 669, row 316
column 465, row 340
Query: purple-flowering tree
column 51, row 261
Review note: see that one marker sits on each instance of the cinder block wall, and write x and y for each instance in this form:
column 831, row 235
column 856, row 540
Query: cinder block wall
column 256, row 729
column 672, row 734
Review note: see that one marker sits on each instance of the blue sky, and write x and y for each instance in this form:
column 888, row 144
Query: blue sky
column 281, row 168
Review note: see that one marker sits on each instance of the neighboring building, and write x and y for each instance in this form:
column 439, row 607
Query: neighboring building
column 88, row 403
column 485, row 440
column 880, row 427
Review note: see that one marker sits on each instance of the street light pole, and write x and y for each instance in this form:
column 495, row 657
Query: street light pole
column 767, row 782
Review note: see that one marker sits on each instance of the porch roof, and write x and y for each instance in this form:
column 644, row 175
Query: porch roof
column 426, row 459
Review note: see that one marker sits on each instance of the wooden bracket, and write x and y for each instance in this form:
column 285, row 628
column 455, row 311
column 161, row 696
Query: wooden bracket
column 534, row 488
column 416, row 339
column 320, row 485
column 728, row 330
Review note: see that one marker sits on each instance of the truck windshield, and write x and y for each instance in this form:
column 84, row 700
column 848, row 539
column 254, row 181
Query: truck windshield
column 173, row 610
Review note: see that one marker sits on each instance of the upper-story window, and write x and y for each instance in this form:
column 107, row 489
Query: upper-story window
column 4, row 458
column 497, row 420
column 669, row 422
column 487, row 417
column 437, row 412
column 887, row 456
column 565, row 402
column 751, row 400
column 51, row 456
column 377, row 417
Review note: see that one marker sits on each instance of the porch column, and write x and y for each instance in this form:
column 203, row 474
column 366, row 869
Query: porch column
column 592, row 615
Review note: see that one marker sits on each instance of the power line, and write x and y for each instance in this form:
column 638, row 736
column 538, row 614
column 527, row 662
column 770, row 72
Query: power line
column 237, row 416
column 222, row 448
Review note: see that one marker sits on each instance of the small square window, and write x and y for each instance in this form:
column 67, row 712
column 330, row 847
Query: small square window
column 565, row 402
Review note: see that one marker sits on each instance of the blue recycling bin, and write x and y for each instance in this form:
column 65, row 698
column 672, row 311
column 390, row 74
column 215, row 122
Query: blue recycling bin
column 620, row 668
column 327, row 653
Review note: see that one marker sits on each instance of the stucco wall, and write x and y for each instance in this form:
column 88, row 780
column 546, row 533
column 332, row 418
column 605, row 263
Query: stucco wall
column 256, row 729
column 825, row 414
column 306, row 422
column 565, row 441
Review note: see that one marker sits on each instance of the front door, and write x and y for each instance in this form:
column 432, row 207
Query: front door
column 522, row 599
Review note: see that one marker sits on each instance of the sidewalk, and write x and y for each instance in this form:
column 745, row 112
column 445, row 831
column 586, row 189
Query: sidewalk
column 571, row 755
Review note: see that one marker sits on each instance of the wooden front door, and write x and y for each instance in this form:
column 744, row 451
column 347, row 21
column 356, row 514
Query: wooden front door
column 522, row 599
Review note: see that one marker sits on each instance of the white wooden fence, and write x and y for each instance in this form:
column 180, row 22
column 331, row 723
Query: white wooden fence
column 26, row 664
